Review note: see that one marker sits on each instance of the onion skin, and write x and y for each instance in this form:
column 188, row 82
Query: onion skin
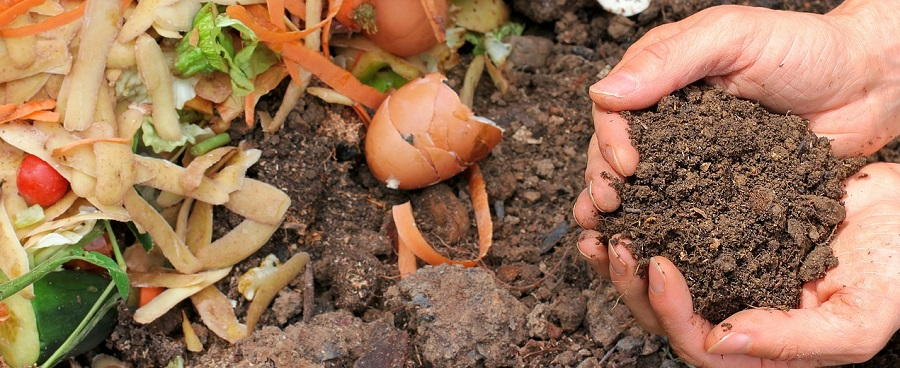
column 422, row 134
column 404, row 26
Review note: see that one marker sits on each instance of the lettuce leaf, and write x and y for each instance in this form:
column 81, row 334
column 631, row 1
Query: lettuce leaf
column 208, row 48
column 189, row 133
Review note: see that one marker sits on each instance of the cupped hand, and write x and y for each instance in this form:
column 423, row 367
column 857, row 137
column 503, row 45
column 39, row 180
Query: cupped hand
column 845, row 317
column 838, row 70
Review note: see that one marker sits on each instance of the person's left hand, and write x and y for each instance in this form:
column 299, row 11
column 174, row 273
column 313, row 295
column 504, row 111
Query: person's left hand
column 845, row 317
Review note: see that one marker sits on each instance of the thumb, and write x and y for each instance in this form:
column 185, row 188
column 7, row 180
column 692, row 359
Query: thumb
column 846, row 329
column 710, row 43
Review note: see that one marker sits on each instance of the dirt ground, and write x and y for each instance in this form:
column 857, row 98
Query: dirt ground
column 532, row 303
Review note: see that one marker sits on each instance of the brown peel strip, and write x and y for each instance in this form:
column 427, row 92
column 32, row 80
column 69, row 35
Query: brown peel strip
column 217, row 314
column 283, row 276
column 199, row 227
column 242, row 241
column 163, row 277
column 171, row 297
column 191, row 340
column 147, row 217
column 192, row 175
column 409, row 236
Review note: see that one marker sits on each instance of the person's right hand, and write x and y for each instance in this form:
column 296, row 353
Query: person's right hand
column 845, row 317
column 841, row 71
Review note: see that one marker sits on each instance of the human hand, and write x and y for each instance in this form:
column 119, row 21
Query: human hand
column 845, row 317
column 840, row 71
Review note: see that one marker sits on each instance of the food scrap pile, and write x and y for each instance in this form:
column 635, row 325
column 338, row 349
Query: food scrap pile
column 114, row 128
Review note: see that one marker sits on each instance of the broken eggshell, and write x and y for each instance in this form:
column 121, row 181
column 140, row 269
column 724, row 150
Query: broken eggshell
column 625, row 7
column 422, row 134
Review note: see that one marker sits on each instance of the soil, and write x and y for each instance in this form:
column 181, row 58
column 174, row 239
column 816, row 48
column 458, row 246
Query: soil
column 742, row 200
column 532, row 303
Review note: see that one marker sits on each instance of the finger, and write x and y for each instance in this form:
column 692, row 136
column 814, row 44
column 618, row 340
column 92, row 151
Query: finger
column 853, row 326
column 598, row 176
column 623, row 271
column 658, row 34
column 586, row 214
column 687, row 331
column 614, row 141
column 703, row 49
column 592, row 248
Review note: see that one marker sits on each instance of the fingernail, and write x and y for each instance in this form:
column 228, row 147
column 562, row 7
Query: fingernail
column 733, row 343
column 611, row 155
column 574, row 216
column 618, row 265
column 616, row 85
column 591, row 194
column 657, row 281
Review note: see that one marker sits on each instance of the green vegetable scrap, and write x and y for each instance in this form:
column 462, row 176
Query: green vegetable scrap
column 208, row 48
column 190, row 133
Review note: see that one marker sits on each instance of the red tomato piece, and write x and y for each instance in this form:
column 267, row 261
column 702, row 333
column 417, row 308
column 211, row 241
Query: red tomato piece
column 39, row 183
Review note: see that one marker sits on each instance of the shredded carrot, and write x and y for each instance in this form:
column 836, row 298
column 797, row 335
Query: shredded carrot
column 262, row 28
column 25, row 109
column 55, row 21
column 276, row 13
column 334, row 6
column 6, row 4
column 409, row 236
column 249, row 107
column 482, row 208
column 16, row 10
column 50, row 116
column 293, row 70
column 334, row 76
column 363, row 114
column 296, row 7
column 146, row 294
column 61, row 150
column 8, row 109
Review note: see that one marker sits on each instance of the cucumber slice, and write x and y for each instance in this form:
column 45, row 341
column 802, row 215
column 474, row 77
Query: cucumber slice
column 19, row 344
column 37, row 328
column 61, row 301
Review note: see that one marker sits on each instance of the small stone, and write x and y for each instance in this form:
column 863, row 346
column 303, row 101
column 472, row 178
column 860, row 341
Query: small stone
column 531, row 196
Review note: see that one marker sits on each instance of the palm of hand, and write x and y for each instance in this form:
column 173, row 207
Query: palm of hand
column 845, row 317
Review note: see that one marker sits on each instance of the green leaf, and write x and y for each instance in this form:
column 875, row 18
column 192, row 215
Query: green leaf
column 143, row 238
column 189, row 134
column 477, row 40
column 118, row 275
column 205, row 48
column 384, row 80
column 74, row 251
column 208, row 48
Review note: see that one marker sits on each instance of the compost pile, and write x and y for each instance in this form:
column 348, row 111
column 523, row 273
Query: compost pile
column 743, row 201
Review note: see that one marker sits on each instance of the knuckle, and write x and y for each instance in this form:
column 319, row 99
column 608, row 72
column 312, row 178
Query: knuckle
column 787, row 351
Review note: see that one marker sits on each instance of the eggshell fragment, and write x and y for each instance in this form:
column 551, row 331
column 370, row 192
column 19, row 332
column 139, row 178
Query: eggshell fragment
column 625, row 7
column 423, row 134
